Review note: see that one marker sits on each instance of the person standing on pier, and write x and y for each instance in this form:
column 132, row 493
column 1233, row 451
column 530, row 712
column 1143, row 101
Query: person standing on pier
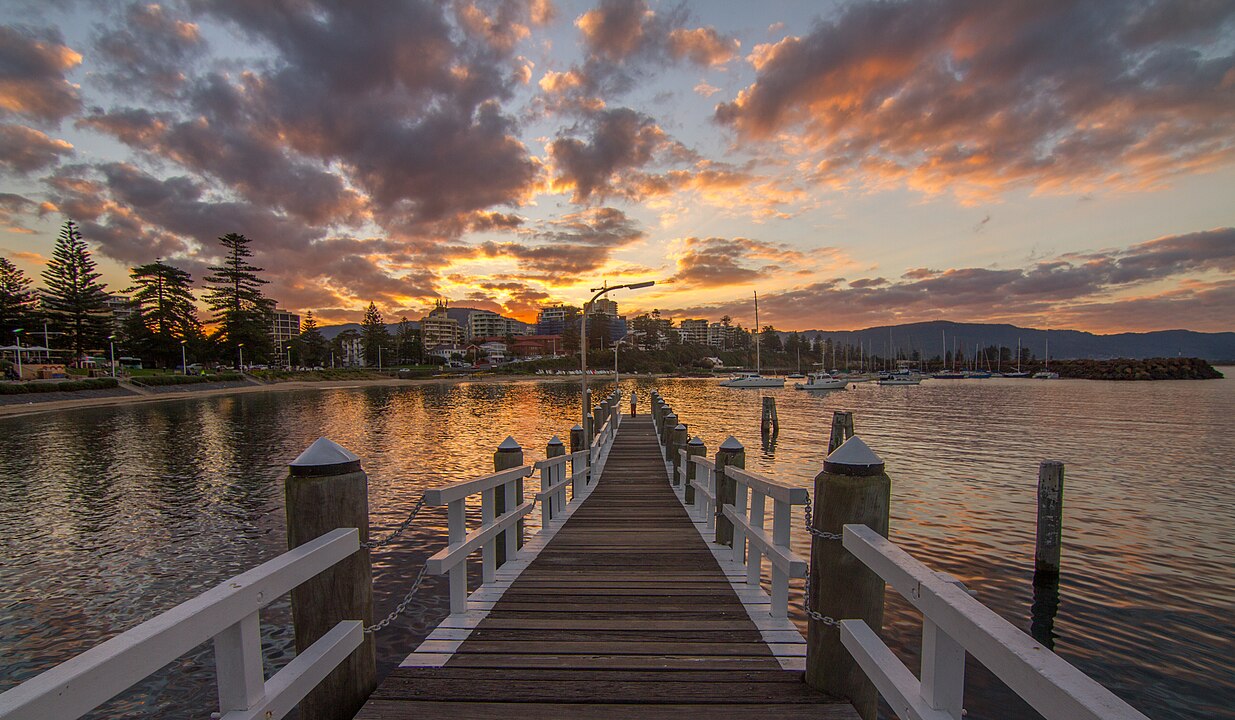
column 634, row 400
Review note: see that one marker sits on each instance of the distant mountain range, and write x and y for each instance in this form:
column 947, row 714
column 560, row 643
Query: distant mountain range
column 1065, row 344
column 928, row 337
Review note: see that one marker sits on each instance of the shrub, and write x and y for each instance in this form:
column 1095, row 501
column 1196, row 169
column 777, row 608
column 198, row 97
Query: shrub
column 64, row 386
column 164, row 380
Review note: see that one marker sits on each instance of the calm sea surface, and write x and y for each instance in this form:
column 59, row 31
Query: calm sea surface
column 112, row 515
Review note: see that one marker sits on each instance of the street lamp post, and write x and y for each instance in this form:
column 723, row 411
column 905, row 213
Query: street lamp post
column 587, row 436
column 240, row 348
column 615, row 370
column 17, row 338
column 111, row 342
column 184, row 362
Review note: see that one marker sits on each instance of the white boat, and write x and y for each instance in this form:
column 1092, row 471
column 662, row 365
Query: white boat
column 752, row 380
column 901, row 378
column 1046, row 375
column 822, row 381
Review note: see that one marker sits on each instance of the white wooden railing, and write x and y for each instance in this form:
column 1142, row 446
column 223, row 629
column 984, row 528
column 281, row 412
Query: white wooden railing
column 704, row 485
column 452, row 560
column 954, row 623
column 752, row 543
column 229, row 614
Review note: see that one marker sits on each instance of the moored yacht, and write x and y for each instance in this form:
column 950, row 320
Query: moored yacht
column 822, row 381
column 752, row 380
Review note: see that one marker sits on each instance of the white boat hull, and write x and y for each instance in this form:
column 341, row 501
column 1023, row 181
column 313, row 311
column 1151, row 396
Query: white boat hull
column 901, row 381
column 754, row 383
column 829, row 385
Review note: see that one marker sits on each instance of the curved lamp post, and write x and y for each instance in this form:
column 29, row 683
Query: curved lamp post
column 240, row 348
column 111, row 342
column 184, row 363
column 17, row 338
column 586, row 411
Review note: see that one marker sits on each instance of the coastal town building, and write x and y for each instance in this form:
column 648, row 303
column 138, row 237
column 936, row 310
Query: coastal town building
column 486, row 323
column 121, row 308
column 719, row 336
column 284, row 327
column 551, row 320
column 694, row 332
column 439, row 328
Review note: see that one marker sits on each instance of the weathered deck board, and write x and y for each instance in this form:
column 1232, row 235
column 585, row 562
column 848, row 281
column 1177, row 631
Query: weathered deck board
column 624, row 613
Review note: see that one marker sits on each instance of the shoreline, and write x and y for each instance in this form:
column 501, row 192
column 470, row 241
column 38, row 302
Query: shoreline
column 36, row 408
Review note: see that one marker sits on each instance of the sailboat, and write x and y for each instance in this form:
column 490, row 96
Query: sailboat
column 1019, row 373
column 1045, row 373
column 754, row 380
column 945, row 373
column 798, row 375
column 823, row 380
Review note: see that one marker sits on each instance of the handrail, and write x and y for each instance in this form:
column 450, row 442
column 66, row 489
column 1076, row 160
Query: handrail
column 705, row 489
column 953, row 619
column 751, row 544
column 766, row 485
column 450, row 556
column 229, row 613
column 436, row 497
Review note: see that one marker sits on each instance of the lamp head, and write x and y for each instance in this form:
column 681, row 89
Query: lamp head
column 636, row 286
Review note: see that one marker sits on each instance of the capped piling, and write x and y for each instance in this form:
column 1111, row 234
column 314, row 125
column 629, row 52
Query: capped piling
column 694, row 447
column 842, row 429
column 506, row 498
column 327, row 489
column 678, row 444
column 1049, row 543
column 731, row 452
column 852, row 489
column 666, row 435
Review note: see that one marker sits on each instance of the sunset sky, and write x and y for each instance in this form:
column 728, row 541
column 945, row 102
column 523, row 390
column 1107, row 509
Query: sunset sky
column 1046, row 163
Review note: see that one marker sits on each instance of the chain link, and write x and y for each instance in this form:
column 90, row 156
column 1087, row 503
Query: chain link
column 399, row 530
column 420, row 576
column 810, row 528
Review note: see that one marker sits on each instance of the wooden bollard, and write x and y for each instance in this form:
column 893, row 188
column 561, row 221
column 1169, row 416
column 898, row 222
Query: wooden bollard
column 509, row 455
column 693, row 448
column 732, row 453
column 576, row 444
column 666, row 435
column 678, row 444
column 598, row 420
column 842, row 429
column 553, row 506
column 852, row 489
column 1050, row 518
column 326, row 489
column 770, row 423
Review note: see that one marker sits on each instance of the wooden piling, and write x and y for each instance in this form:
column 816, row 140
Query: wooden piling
column 509, row 455
column 1050, row 518
column 693, row 448
column 731, row 452
column 576, row 444
column 327, row 489
column 852, row 489
column 842, row 429
column 598, row 420
column 677, row 445
column 553, row 449
column 666, row 434
column 770, row 423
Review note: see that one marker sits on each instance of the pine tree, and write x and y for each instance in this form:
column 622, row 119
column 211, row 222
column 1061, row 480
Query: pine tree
column 243, row 314
column 409, row 348
column 373, row 336
column 74, row 298
column 163, row 301
column 310, row 344
column 19, row 305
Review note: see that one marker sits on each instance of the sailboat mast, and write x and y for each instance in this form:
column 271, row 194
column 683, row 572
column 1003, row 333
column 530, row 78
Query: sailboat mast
column 758, row 332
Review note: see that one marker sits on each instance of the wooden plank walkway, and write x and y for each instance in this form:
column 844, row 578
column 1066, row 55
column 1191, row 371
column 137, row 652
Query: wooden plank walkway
column 625, row 612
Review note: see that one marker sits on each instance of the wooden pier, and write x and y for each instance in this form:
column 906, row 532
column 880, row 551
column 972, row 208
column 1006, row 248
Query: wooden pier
column 624, row 612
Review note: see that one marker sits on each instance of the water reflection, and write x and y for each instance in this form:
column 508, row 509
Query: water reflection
column 1044, row 609
column 109, row 516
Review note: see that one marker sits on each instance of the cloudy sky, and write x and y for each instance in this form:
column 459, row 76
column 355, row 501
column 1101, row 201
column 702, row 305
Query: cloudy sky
column 1042, row 162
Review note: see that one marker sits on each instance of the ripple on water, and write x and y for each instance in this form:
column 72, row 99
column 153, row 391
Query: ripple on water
column 109, row 516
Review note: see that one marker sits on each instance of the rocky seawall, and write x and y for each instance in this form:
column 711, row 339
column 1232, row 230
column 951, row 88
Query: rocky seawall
column 1147, row 369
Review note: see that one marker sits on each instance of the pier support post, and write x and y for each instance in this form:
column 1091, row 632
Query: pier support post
column 852, row 489
column 576, row 444
column 552, row 507
column 326, row 489
column 678, row 444
column 509, row 455
column 666, row 435
column 598, row 420
column 1050, row 520
column 693, row 448
column 842, row 429
column 770, row 423
column 731, row 452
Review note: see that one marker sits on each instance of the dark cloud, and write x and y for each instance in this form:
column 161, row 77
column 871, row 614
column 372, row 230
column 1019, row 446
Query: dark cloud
column 11, row 207
column 717, row 262
column 557, row 252
column 1078, row 286
column 149, row 51
column 618, row 140
column 33, row 64
column 23, row 149
column 966, row 97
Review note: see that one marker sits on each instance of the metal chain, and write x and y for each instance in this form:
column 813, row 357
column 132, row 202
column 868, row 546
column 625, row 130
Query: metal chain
column 420, row 576
column 398, row 531
column 810, row 528
column 402, row 606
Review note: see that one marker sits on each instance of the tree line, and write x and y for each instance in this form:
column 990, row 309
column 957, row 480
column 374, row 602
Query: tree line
column 162, row 324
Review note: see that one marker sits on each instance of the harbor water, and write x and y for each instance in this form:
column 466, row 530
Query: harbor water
column 109, row 516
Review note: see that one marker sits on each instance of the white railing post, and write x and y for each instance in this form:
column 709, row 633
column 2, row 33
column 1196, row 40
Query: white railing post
column 456, row 529
column 781, row 519
column 754, row 558
column 710, row 502
column 943, row 670
column 512, row 538
column 238, row 665
column 488, row 552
